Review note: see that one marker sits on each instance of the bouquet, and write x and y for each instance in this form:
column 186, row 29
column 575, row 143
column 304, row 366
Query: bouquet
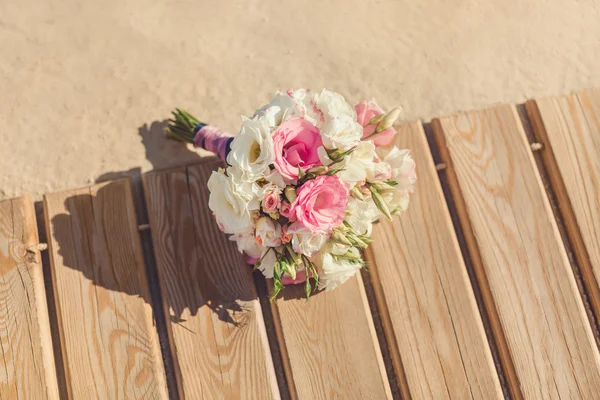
column 307, row 177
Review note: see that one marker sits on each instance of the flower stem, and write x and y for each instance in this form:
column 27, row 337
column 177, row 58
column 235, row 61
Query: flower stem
column 182, row 126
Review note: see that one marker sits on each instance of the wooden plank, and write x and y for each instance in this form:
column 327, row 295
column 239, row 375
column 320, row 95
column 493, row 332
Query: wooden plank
column 109, row 344
column 569, row 128
column 330, row 344
column 546, row 343
column 431, row 317
column 216, row 333
column 27, row 369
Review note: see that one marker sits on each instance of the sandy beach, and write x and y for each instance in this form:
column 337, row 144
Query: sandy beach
column 85, row 85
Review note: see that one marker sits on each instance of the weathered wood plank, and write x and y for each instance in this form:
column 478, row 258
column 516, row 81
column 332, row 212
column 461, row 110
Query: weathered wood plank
column 27, row 369
column 569, row 128
column 217, row 333
column 430, row 316
column 109, row 344
column 331, row 344
column 519, row 256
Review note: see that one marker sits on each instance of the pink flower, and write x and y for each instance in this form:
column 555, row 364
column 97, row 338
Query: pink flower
column 285, row 236
column 296, row 142
column 365, row 110
column 320, row 204
column 271, row 201
column 284, row 209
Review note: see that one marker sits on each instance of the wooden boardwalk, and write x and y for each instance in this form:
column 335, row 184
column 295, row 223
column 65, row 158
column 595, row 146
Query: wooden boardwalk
column 488, row 287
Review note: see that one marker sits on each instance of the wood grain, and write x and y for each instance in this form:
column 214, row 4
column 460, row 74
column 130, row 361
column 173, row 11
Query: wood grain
column 109, row 344
column 216, row 332
column 540, row 317
column 27, row 370
column 569, row 128
column 331, row 344
column 431, row 317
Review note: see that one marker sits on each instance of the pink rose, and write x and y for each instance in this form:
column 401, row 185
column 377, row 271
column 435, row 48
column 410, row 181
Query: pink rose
column 296, row 142
column 320, row 204
column 271, row 201
column 365, row 110
column 284, row 210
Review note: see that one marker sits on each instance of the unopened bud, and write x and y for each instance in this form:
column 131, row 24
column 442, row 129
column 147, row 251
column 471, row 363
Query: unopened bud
column 340, row 238
column 388, row 121
column 318, row 170
column 356, row 193
column 376, row 119
column 290, row 193
column 380, row 203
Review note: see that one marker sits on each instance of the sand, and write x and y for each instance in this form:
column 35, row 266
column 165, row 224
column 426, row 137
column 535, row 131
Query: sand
column 84, row 85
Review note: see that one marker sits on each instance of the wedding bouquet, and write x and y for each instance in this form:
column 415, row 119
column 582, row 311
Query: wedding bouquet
column 307, row 177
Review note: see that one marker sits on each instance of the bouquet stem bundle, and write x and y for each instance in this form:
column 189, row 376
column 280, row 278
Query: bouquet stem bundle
column 186, row 128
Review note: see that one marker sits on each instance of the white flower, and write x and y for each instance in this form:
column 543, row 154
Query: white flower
column 361, row 214
column 402, row 167
column 229, row 204
column 246, row 243
column 284, row 106
column 268, row 232
column 397, row 200
column 251, row 190
column 359, row 163
column 252, row 149
column 304, row 241
column 402, row 170
column 341, row 132
column 332, row 272
column 381, row 171
column 334, row 105
column 275, row 179
column 267, row 264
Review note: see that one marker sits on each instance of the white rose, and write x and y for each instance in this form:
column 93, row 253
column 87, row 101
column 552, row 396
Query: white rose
column 402, row 167
column 228, row 203
column 341, row 132
column 267, row 264
column 304, row 241
column 246, row 243
column 268, row 232
column 252, row 149
column 361, row 215
column 359, row 163
column 332, row 272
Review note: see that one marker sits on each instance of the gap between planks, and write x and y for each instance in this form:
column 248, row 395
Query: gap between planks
column 563, row 213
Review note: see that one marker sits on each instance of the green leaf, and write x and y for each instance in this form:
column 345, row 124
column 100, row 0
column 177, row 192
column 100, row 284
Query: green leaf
column 307, row 288
column 301, row 174
column 277, row 285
